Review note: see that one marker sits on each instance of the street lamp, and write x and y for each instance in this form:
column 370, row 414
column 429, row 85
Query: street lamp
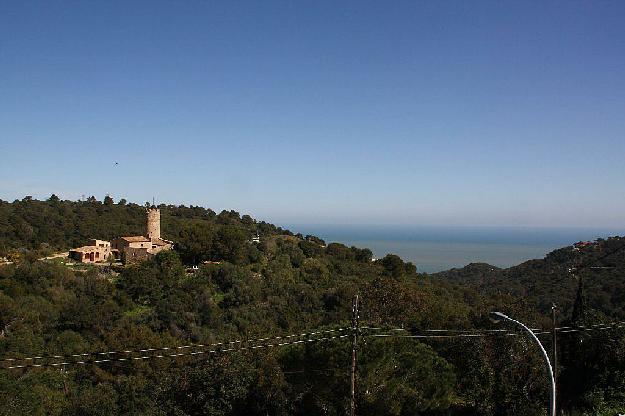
column 498, row 316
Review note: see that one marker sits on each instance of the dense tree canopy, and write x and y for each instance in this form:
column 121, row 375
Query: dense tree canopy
column 285, row 285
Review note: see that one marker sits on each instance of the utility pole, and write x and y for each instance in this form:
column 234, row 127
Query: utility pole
column 355, row 317
column 555, row 348
column 579, row 306
column 65, row 385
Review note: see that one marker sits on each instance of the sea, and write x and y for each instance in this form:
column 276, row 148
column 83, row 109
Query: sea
column 437, row 248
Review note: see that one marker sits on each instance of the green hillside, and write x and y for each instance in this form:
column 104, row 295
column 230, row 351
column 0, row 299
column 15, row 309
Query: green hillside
column 556, row 278
column 155, row 339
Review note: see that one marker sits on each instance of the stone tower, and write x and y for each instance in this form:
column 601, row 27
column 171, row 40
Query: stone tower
column 154, row 223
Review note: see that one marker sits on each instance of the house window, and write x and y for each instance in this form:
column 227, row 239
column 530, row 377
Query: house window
column 97, row 255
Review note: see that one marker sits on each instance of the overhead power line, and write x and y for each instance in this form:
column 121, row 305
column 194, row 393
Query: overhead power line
column 480, row 333
column 476, row 330
column 278, row 341
column 474, row 335
column 587, row 329
column 591, row 326
column 496, row 331
column 181, row 347
column 191, row 353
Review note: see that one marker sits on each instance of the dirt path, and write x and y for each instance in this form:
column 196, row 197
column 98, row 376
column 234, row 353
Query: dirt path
column 56, row 256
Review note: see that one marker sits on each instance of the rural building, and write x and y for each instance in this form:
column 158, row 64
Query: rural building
column 92, row 253
column 139, row 248
column 133, row 254
column 100, row 243
column 128, row 248
column 121, row 243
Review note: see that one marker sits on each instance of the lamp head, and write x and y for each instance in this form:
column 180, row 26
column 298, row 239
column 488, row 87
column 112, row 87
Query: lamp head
column 496, row 317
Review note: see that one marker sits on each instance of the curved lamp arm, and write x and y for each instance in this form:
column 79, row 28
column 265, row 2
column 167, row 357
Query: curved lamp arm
column 552, row 404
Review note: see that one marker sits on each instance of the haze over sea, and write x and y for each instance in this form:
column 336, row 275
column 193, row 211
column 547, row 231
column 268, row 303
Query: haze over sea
column 437, row 248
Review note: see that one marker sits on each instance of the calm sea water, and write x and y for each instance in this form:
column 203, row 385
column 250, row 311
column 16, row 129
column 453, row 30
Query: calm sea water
column 436, row 248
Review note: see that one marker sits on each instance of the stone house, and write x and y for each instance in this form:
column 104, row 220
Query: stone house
column 129, row 248
column 139, row 248
column 96, row 251
column 137, row 241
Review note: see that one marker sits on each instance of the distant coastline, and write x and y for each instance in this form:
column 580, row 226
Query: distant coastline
column 438, row 248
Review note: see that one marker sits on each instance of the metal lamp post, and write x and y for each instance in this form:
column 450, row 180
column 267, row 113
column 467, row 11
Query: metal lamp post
column 545, row 357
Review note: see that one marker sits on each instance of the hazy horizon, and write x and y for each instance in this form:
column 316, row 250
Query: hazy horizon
column 338, row 221
column 438, row 248
column 411, row 112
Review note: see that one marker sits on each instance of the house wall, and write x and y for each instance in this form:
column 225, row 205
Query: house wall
column 158, row 248
column 120, row 244
column 132, row 254
column 99, row 243
column 90, row 254
column 140, row 244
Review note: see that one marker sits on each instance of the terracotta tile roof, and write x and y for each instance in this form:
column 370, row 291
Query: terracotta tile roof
column 85, row 249
column 136, row 239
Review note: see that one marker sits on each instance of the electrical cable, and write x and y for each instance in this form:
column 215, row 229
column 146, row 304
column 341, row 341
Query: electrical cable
column 192, row 353
column 144, row 350
column 268, row 342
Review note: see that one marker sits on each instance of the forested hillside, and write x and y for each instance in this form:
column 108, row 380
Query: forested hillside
column 556, row 278
column 157, row 340
column 41, row 227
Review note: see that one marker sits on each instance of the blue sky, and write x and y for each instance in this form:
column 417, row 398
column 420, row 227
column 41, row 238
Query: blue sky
column 459, row 113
